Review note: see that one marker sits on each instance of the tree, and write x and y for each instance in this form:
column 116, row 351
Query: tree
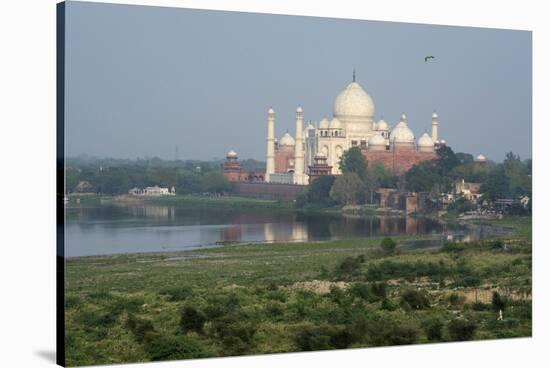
column 353, row 161
column 318, row 192
column 446, row 160
column 347, row 189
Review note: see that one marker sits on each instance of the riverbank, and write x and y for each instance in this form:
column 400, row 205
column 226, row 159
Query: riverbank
column 281, row 297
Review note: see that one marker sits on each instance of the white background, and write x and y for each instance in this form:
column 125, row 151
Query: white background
column 27, row 181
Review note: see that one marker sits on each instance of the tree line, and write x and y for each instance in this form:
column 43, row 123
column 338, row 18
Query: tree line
column 359, row 182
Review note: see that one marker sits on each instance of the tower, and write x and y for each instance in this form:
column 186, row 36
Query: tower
column 299, row 174
column 435, row 125
column 270, row 157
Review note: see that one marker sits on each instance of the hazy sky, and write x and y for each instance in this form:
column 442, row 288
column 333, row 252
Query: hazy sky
column 141, row 80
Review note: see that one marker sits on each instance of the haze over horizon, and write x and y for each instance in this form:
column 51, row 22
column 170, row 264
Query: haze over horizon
column 142, row 80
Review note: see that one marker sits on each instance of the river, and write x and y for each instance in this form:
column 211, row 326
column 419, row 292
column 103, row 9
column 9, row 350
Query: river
column 113, row 229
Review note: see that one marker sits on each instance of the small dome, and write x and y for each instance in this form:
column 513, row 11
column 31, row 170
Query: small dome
column 425, row 141
column 382, row 125
column 403, row 117
column 310, row 126
column 353, row 101
column 401, row 133
column 434, row 115
column 335, row 124
column 299, row 109
column 324, row 124
column 271, row 111
column 377, row 140
column 287, row 140
column 480, row 157
column 443, row 141
column 231, row 154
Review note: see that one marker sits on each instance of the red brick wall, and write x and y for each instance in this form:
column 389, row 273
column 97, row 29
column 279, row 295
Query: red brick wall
column 281, row 192
column 399, row 160
column 283, row 157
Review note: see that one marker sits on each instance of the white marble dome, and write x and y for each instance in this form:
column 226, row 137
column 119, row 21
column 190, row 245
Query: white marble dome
column 480, row 157
column 353, row 102
column 425, row 141
column 324, row 124
column 231, row 154
column 377, row 140
column 287, row 140
column 335, row 124
column 271, row 111
column 401, row 133
column 382, row 125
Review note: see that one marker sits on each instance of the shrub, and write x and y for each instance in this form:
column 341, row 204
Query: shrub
column 469, row 281
column 177, row 293
column 461, row 329
column 456, row 300
column 192, row 319
column 433, row 328
column 310, row 338
column 274, row 309
column 388, row 246
column 143, row 329
column 176, row 347
column 498, row 302
column 360, row 290
column 386, row 330
column 379, row 289
column 416, row 299
column 235, row 333
column 349, row 267
column 388, row 305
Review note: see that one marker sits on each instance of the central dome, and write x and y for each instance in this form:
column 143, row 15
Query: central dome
column 354, row 102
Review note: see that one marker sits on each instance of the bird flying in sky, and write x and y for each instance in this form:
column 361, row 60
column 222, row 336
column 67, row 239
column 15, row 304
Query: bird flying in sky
column 428, row 58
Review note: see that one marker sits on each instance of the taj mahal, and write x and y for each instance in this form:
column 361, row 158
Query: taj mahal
column 316, row 149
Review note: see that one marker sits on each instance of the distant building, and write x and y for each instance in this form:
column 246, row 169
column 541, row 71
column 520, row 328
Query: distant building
column 155, row 191
column 353, row 125
column 470, row 191
column 234, row 172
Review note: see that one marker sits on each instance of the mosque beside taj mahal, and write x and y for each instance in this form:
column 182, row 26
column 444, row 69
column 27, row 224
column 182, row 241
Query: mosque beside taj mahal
column 316, row 149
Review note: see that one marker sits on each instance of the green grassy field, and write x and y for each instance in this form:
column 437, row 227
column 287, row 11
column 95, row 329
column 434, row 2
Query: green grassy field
column 253, row 299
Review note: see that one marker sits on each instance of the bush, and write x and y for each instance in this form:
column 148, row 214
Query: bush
column 415, row 299
column 177, row 293
column 176, row 347
column 469, row 281
column 379, row 289
column 235, row 333
column 386, row 330
column 360, row 290
column 388, row 246
column 461, row 329
column 192, row 319
column 349, row 267
column 433, row 328
column 311, row 338
column 498, row 302
column 143, row 329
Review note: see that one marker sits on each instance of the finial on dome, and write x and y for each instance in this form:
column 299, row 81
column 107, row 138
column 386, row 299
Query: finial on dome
column 353, row 75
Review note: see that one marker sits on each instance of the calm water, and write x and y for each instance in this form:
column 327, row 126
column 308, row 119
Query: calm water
column 130, row 229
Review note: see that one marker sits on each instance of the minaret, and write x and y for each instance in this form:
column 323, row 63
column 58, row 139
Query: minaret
column 299, row 175
column 435, row 124
column 270, row 159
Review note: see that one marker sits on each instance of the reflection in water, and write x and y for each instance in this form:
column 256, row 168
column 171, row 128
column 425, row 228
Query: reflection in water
column 128, row 229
